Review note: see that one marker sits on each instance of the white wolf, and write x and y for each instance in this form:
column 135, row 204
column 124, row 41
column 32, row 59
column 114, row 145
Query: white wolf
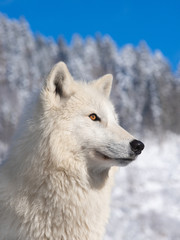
column 56, row 182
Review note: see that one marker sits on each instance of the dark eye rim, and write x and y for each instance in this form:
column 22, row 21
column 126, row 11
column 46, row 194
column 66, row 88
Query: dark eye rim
column 97, row 118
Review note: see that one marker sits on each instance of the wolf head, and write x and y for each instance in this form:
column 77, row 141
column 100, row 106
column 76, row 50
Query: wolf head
column 85, row 122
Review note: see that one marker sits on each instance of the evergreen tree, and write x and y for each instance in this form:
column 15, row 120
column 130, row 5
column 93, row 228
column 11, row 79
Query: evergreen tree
column 145, row 90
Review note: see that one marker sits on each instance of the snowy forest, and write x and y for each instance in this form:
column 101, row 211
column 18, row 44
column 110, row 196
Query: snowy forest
column 146, row 93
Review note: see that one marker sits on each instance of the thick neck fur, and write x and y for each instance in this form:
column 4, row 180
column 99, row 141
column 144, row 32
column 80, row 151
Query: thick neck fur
column 41, row 155
column 51, row 191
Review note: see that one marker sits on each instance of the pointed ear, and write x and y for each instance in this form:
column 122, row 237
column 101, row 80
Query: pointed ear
column 60, row 81
column 104, row 84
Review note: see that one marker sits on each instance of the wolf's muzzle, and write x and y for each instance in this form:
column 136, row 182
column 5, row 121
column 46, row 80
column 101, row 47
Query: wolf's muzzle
column 137, row 146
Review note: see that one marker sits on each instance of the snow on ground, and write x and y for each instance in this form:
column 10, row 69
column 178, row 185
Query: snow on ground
column 146, row 197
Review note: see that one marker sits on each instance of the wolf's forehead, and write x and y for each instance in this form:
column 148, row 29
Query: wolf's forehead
column 91, row 98
column 89, row 94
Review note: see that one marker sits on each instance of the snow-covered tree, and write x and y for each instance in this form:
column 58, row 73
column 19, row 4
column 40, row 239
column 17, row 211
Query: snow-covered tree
column 145, row 91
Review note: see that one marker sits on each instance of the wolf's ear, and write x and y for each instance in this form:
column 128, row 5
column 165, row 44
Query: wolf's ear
column 60, row 81
column 104, row 84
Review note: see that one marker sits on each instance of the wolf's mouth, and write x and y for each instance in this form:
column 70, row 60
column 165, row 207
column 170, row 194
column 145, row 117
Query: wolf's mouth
column 105, row 157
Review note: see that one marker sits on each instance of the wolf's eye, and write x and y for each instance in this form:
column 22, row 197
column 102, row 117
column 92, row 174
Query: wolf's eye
column 94, row 117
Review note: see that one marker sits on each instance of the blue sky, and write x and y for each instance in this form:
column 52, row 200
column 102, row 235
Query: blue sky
column 126, row 21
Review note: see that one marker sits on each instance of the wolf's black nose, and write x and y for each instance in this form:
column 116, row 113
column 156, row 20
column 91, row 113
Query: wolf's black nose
column 137, row 146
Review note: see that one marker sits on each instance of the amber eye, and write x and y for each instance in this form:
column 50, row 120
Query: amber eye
column 94, row 117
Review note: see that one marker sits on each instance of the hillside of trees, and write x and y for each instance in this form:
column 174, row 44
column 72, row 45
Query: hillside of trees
column 145, row 90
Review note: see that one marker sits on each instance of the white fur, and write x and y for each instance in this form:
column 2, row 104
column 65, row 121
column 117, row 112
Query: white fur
column 56, row 182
